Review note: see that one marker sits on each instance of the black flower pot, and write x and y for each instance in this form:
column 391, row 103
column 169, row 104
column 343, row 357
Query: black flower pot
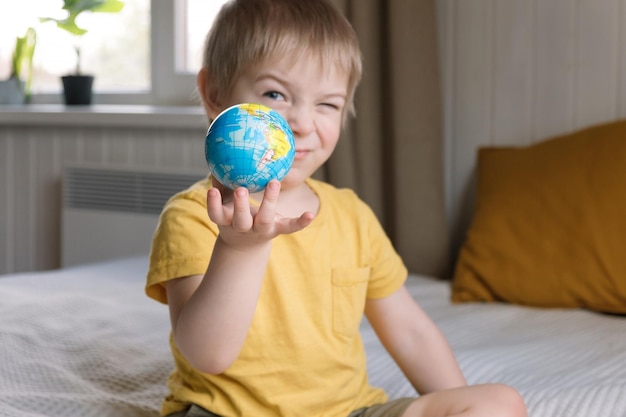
column 77, row 89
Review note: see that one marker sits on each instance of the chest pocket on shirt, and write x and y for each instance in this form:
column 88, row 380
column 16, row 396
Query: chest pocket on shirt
column 349, row 292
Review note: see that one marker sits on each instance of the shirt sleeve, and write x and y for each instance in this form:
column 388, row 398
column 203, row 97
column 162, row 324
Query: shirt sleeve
column 182, row 243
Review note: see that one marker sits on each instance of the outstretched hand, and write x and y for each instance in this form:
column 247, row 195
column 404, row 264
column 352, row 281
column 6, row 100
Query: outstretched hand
column 242, row 224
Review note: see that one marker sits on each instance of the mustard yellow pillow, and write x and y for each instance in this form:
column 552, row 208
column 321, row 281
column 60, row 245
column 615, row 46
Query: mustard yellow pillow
column 549, row 228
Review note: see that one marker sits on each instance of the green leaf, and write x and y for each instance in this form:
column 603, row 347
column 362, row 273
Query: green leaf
column 107, row 6
column 110, row 6
column 76, row 7
column 70, row 26
column 22, row 63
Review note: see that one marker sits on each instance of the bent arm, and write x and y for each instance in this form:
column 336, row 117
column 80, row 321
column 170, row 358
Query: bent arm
column 211, row 315
column 414, row 342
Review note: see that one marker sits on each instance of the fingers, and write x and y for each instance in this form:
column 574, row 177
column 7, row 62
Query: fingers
column 227, row 193
column 266, row 219
column 237, row 215
column 217, row 212
column 266, row 215
column 242, row 217
column 287, row 226
column 304, row 220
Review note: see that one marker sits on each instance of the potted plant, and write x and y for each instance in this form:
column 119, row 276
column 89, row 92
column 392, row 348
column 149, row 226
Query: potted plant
column 77, row 87
column 16, row 90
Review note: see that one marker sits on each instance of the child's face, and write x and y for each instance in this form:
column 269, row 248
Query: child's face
column 311, row 98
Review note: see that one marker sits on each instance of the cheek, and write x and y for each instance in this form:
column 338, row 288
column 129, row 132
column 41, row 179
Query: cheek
column 329, row 133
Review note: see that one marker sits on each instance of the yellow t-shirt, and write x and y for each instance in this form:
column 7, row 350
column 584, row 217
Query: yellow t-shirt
column 303, row 354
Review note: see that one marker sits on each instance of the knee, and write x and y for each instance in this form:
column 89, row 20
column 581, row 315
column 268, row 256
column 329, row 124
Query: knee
column 509, row 401
column 475, row 400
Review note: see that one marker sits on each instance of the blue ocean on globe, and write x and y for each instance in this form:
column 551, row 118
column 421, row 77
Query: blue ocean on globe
column 247, row 145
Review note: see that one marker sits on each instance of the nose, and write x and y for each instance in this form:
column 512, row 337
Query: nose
column 301, row 120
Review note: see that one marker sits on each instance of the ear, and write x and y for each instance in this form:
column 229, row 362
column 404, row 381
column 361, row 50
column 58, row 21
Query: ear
column 208, row 93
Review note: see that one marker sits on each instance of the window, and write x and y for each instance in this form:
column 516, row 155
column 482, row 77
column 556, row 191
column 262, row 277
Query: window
column 147, row 54
column 181, row 36
column 197, row 17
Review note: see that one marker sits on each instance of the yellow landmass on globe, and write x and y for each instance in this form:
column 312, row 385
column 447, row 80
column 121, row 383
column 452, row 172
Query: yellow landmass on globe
column 276, row 137
column 278, row 142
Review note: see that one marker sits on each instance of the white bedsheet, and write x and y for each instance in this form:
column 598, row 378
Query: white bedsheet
column 83, row 341
column 86, row 342
column 566, row 363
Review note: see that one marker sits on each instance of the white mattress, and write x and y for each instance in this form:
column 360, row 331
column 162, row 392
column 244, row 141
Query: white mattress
column 86, row 342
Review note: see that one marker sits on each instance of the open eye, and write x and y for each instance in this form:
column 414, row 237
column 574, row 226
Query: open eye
column 274, row 95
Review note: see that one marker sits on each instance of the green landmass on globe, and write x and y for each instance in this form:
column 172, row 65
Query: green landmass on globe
column 248, row 145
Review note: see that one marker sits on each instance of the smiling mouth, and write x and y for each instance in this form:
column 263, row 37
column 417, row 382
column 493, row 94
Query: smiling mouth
column 300, row 154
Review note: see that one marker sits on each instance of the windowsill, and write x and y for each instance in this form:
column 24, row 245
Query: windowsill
column 191, row 117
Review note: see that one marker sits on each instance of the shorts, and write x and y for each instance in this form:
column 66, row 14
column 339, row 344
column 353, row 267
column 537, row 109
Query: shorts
column 393, row 408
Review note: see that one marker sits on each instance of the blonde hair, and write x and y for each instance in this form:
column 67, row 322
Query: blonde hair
column 247, row 32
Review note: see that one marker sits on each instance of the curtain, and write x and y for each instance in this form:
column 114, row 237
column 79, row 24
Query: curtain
column 392, row 153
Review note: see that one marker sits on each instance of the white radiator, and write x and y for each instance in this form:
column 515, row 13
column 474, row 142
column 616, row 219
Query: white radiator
column 112, row 212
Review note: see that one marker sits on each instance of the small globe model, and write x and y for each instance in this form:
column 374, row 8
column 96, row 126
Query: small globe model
column 248, row 145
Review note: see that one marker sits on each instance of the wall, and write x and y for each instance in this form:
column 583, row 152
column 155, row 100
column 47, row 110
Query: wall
column 514, row 72
column 32, row 157
column 519, row 71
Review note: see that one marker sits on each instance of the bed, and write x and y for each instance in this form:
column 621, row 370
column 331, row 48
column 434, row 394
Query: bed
column 85, row 341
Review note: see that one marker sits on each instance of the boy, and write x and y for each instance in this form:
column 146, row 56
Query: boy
column 266, row 298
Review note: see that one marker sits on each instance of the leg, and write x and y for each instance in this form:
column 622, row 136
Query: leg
column 490, row 400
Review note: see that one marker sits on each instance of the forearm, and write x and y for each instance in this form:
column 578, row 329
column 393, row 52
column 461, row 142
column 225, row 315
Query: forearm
column 212, row 325
column 428, row 361
column 414, row 342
